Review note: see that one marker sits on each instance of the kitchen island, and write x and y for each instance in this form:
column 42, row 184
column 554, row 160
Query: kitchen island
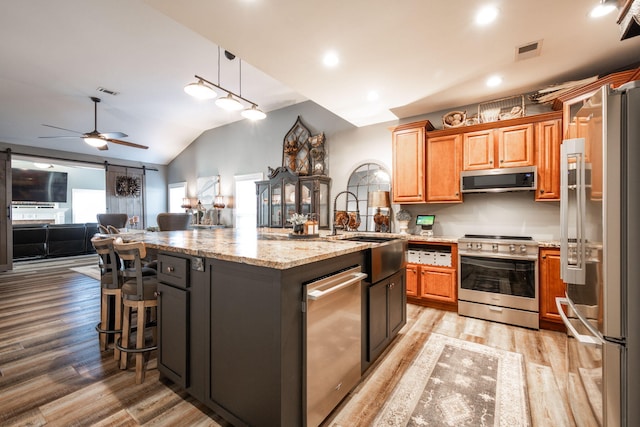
column 232, row 315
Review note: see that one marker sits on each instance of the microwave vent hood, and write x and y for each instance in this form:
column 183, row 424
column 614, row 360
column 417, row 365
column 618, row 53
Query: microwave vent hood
column 498, row 180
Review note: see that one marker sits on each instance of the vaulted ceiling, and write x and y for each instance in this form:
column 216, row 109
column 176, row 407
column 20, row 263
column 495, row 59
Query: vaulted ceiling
column 417, row 56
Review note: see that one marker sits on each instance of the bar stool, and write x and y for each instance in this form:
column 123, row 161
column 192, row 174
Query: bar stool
column 110, row 286
column 139, row 294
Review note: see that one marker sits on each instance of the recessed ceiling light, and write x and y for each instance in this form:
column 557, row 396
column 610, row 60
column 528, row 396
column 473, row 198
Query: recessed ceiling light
column 330, row 59
column 604, row 8
column 373, row 96
column 486, row 15
column 494, row 81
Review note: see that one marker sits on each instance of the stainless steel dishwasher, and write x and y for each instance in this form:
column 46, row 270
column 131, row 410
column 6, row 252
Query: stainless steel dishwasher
column 333, row 340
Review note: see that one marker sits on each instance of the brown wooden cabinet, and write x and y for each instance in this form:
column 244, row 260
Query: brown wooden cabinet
column 433, row 285
column 504, row 147
column 550, row 286
column 548, row 140
column 444, row 161
column 408, row 146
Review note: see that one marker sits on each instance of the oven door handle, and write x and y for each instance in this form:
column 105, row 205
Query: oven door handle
column 582, row 339
column 317, row 294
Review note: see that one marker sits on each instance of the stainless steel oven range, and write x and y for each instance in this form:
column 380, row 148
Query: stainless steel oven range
column 498, row 279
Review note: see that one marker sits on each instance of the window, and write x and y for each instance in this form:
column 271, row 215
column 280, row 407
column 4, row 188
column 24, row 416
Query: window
column 177, row 192
column 245, row 200
column 86, row 204
column 365, row 179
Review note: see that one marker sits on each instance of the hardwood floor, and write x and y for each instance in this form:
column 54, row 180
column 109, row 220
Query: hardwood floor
column 52, row 372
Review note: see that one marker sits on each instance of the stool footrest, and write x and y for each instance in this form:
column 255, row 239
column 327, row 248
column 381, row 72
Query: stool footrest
column 107, row 331
column 133, row 349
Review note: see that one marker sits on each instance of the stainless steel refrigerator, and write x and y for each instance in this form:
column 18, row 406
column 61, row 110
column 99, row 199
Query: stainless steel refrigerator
column 600, row 254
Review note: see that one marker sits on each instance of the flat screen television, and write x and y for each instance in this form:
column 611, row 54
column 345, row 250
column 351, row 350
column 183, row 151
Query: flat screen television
column 30, row 185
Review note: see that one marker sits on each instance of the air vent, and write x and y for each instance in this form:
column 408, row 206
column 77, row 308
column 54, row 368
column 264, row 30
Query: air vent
column 528, row 50
column 107, row 91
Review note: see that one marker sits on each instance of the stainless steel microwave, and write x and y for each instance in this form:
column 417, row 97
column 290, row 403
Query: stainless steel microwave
column 498, row 180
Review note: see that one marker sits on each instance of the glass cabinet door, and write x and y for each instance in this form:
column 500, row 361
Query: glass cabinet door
column 276, row 205
column 322, row 205
column 290, row 202
column 306, row 198
column 263, row 205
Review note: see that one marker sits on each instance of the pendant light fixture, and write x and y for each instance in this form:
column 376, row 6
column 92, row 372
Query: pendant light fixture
column 204, row 89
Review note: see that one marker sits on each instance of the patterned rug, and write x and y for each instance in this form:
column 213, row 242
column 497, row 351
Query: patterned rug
column 459, row 383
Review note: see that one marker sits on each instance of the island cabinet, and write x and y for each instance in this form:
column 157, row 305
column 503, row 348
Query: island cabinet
column 431, row 272
column 243, row 336
column 387, row 314
column 408, row 148
column 551, row 286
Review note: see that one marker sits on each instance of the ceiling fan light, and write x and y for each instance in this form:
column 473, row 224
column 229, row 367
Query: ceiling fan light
column 253, row 113
column 95, row 141
column 605, row 7
column 200, row 90
column 229, row 103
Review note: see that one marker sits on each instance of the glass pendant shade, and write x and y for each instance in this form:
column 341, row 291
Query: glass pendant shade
column 200, row 90
column 95, row 141
column 229, row 103
column 253, row 113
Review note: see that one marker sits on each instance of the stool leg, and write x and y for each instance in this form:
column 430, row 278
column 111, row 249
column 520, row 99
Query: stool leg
column 140, row 342
column 118, row 322
column 126, row 329
column 103, row 320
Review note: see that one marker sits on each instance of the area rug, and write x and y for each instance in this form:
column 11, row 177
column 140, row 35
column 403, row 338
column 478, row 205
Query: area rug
column 88, row 270
column 458, row 383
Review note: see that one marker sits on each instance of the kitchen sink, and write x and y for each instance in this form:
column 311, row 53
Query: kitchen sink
column 370, row 239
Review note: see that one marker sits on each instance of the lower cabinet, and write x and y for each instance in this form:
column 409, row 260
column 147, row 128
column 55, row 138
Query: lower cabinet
column 433, row 282
column 551, row 286
column 387, row 312
column 173, row 333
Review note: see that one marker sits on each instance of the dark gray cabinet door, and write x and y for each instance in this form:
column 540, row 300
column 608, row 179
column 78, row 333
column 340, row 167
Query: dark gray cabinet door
column 378, row 321
column 6, row 230
column 173, row 333
column 397, row 303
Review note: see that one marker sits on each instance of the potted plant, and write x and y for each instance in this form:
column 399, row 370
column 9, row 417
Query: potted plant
column 403, row 217
column 298, row 221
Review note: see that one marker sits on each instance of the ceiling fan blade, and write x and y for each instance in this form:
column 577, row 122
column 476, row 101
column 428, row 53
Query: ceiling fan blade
column 61, row 137
column 113, row 135
column 127, row 143
column 56, row 127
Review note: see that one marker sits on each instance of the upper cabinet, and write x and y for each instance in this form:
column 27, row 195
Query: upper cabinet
column 408, row 145
column 504, row 147
column 444, row 162
column 427, row 163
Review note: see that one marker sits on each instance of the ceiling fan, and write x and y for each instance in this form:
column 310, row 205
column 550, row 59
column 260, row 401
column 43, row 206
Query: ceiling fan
column 94, row 138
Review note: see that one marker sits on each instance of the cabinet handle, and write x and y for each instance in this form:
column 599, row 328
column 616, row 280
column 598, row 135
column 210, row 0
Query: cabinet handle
column 392, row 285
column 501, row 161
column 170, row 269
column 490, row 162
column 457, row 194
column 541, row 191
column 157, row 294
column 544, row 257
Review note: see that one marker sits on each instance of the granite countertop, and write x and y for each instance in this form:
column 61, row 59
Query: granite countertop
column 265, row 248
column 268, row 247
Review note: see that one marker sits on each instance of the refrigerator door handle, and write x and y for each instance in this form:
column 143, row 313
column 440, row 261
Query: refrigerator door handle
column 583, row 339
column 572, row 270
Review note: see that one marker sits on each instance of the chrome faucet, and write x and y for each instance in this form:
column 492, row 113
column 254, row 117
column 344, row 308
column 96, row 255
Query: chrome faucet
column 334, row 230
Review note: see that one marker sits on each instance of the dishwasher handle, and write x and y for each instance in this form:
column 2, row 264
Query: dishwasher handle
column 317, row 294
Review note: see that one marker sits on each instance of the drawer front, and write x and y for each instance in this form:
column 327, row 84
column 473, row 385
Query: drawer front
column 173, row 270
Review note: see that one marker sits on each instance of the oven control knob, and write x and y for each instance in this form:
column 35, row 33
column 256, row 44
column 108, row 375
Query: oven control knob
column 494, row 247
column 478, row 246
column 470, row 246
column 512, row 249
column 523, row 249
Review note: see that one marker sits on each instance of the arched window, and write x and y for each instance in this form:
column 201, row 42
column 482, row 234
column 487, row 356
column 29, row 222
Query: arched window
column 368, row 178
